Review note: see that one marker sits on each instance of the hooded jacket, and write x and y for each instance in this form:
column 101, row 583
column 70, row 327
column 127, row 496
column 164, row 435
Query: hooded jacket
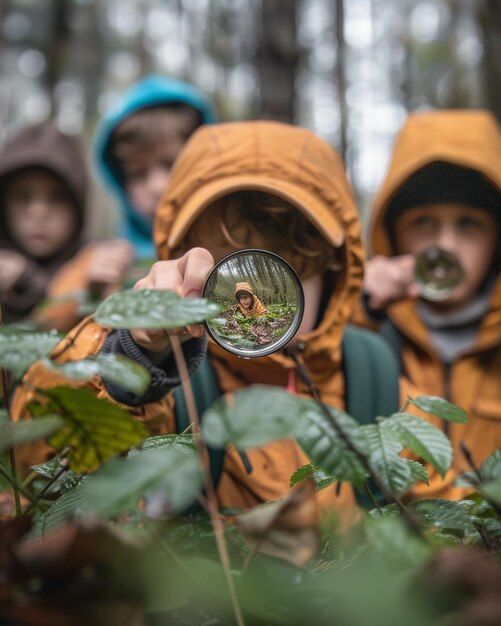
column 470, row 139
column 151, row 91
column 41, row 145
column 294, row 164
column 258, row 307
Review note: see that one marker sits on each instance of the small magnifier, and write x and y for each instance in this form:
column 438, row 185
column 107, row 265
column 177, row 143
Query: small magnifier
column 438, row 273
column 261, row 299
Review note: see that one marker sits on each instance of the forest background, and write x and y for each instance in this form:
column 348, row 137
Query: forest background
column 348, row 69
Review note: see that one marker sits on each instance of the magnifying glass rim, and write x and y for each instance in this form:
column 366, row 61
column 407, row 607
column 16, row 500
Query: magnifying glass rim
column 290, row 332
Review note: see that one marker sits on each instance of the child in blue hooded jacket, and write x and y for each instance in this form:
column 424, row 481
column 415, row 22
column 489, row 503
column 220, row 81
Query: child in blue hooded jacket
column 136, row 144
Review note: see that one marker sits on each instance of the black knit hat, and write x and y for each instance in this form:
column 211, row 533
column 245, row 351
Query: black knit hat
column 441, row 182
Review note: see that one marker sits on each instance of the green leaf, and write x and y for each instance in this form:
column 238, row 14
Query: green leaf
column 251, row 417
column 19, row 349
column 491, row 467
column 452, row 514
column 319, row 477
column 121, row 483
column 114, row 368
column 394, row 543
column 95, row 429
column 320, row 440
column 421, row 437
column 69, row 504
column 418, row 471
column 184, row 444
column 383, row 456
column 152, row 308
column 440, row 408
column 14, row 434
column 492, row 490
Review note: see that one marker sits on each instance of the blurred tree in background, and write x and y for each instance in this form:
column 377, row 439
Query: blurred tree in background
column 348, row 70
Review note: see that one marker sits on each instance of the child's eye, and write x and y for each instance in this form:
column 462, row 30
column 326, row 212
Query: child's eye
column 469, row 222
column 423, row 221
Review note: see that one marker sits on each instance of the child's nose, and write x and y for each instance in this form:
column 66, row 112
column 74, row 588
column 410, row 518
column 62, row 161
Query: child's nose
column 447, row 239
column 38, row 209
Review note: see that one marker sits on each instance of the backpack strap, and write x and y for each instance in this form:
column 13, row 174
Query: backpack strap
column 206, row 391
column 371, row 373
column 371, row 370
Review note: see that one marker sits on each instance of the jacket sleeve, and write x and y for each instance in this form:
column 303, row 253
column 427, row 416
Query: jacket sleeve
column 29, row 289
column 154, row 409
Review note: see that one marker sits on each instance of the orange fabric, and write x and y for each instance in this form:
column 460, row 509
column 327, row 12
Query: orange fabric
column 66, row 289
column 278, row 158
column 470, row 139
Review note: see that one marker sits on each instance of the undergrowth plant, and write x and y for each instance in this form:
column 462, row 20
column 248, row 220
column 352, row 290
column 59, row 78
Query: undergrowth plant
column 119, row 527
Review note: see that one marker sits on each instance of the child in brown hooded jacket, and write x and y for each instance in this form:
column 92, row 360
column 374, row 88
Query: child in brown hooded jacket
column 43, row 190
column 443, row 188
column 248, row 304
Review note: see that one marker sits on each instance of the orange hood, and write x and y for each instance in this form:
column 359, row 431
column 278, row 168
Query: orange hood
column 284, row 160
column 467, row 138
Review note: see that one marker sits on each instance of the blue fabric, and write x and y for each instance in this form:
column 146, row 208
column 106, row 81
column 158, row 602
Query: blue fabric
column 152, row 90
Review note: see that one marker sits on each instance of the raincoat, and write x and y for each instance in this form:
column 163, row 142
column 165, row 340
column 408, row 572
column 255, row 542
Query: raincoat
column 469, row 139
column 153, row 90
column 258, row 307
column 301, row 168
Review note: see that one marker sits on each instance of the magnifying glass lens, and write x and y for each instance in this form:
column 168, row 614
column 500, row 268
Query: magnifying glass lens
column 438, row 272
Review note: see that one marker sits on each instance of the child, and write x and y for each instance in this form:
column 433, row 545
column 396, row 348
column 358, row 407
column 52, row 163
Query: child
column 237, row 185
column 42, row 211
column 248, row 304
column 443, row 188
column 135, row 146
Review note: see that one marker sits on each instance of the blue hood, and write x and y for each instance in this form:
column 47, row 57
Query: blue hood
column 151, row 91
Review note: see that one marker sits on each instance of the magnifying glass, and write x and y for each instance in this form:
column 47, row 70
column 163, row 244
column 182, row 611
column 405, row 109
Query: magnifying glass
column 262, row 302
column 438, row 273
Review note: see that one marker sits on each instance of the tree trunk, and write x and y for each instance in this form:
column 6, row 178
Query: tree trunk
column 489, row 19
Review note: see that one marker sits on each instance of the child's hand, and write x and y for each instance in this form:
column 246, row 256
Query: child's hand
column 12, row 265
column 389, row 279
column 186, row 277
column 109, row 264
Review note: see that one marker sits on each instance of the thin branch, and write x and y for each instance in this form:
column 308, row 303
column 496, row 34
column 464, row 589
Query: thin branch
column 203, row 454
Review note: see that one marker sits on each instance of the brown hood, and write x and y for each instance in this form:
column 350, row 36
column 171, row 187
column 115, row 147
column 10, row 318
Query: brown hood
column 44, row 145
column 465, row 138
column 283, row 160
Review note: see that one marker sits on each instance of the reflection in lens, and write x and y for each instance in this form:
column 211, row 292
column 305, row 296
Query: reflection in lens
column 438, row 272
column 261, row 299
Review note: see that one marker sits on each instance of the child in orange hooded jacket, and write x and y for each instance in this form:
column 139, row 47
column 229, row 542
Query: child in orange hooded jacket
column 443, row 188
column 248, row 304
column 258, row 184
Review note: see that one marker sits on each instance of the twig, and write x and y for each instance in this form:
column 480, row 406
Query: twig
column 12, row 454
column 301, row 369
column 203, row 454
column 469, row 459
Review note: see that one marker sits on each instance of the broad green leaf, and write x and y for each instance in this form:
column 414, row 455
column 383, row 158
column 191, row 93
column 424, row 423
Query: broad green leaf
column 184, row 444
column 14, row 434
column 394, row 543
column 320, row 440
column 421, row 437
column 18, row 350
column 418, row 471
column 319, row 477
column 383, row 456
column 440, row 408
column 491, row 467
column 152, row 308
column 251, row 417
column 4, row 416
column 453, row 514
column 492, row 490
column 114, row 368
column 69, row 504
column 121, row 483
column 95, row 429
column 50, row 468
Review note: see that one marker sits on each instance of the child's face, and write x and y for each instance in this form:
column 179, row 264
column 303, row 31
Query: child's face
column 39, row 212
column 470, row 234
column 147, row 171
column 245, row 300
